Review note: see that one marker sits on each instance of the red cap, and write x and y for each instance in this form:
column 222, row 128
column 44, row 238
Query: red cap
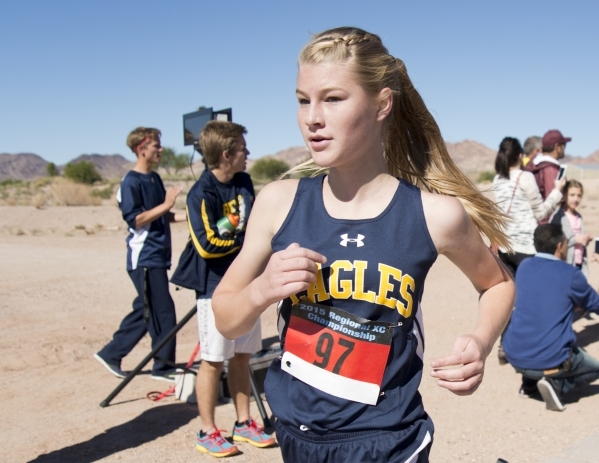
column 553, row 137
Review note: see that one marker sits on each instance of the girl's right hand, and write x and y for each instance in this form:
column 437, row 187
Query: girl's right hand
column 288, row 272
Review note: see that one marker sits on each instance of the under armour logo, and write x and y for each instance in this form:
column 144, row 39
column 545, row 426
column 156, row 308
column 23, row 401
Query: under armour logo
column 359, row 240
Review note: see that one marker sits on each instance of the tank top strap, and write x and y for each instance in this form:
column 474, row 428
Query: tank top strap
column 309, row 183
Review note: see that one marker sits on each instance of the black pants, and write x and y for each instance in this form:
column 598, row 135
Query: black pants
column 151, row 284
column 512, row 261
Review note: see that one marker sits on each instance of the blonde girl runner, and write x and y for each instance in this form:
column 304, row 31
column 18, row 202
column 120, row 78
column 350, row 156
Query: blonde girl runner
column 347, row 254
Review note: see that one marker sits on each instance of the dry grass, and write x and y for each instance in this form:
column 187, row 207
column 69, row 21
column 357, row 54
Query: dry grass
column 38, row 200
column 68, row 193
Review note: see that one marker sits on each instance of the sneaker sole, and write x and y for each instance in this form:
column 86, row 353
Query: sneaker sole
column 162, row 378
column 551, row 399
column 525, row 395
column 233, row 451
column 528, row 396
column 260, row 445
column 105, row 365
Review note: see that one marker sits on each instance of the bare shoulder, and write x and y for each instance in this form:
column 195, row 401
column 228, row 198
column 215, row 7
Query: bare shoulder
column 445, row 218
column 278, row 194
column 274, row 202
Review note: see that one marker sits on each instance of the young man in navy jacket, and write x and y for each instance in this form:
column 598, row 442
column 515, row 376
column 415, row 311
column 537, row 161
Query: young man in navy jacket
column 146, row 205
column 218, row 206
column 539, row 341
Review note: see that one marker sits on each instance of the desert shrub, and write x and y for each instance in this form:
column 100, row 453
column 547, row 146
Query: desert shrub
column 103, row 193
column 269, row 169
column 82, row 172
column 12, row 182
column 166, row 159
column 38, row 201
column 74, row 194
column 51, row 170
column 181, row 162
column 486, row 176
column 171, row 160
column 41, row 182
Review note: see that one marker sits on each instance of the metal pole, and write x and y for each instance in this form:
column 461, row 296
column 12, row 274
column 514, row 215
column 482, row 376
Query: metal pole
column 149, row 357
column 258, row 399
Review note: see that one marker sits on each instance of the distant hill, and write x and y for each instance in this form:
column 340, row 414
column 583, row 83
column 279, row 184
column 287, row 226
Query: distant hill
column 472, row 156
column 108, row 165
column 22, row 166
column 292, row 156
column 592, row 158
column 29, row 166
column 469, row 155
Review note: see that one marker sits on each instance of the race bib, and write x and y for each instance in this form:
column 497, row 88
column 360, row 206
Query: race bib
column 337, row 352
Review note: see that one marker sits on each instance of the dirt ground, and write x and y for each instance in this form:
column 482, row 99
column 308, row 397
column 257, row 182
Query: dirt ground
column 64, row 290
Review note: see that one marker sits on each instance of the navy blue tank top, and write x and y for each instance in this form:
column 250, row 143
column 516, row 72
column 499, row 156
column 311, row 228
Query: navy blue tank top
column 397, row 248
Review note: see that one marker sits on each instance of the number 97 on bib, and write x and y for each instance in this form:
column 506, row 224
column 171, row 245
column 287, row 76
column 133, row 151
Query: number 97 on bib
column 337, row 352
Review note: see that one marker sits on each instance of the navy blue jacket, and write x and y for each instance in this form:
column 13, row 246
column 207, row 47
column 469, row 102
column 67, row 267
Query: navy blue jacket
column 150, row 245
column 207, row 253
column 540, row 332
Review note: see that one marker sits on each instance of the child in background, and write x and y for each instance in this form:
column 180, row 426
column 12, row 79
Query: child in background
column 571, row 221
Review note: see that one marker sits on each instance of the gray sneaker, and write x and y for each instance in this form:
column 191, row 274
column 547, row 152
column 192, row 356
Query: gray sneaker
column 114, row 369
column 547, row 390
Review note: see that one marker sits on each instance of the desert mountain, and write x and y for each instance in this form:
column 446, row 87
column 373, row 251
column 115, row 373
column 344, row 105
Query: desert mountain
column 291, row 156
column 108, row 165
column 469, row 155
column 589, row 160
column 22, row 166
column 472, row 156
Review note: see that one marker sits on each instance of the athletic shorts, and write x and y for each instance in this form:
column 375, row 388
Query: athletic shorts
column 336, row 447
column 214, row 347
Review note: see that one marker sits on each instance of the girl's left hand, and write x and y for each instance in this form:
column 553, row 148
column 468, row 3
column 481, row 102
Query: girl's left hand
column 462, row 371
column 583, row 239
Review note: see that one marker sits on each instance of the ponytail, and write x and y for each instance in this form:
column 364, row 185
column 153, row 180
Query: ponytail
column 508, row 156
column 416, row 152
column 414, row 148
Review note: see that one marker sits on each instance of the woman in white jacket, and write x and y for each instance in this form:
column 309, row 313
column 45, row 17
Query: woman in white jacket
column 518, row 195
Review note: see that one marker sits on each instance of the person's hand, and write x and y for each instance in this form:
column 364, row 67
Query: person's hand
column 461, row 371
column 583, row 239
column 171, row 196
column 289, row 272
column 560, row 184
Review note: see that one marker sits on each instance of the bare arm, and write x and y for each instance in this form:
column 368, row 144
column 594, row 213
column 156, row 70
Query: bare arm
column 257, row 277
column 177, row 216
column 457, row 238
column 147, row 217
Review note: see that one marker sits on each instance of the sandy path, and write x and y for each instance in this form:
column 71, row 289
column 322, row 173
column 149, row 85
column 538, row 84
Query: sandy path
column 63, row 291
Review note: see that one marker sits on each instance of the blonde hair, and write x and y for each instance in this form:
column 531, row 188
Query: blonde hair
column 140, row 136
column 219, row 136
column 414, row 148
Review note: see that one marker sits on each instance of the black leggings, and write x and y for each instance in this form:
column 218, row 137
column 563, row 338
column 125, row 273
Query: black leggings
column 512, row 261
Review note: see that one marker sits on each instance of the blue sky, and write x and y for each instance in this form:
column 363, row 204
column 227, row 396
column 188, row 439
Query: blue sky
column 77, row 76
